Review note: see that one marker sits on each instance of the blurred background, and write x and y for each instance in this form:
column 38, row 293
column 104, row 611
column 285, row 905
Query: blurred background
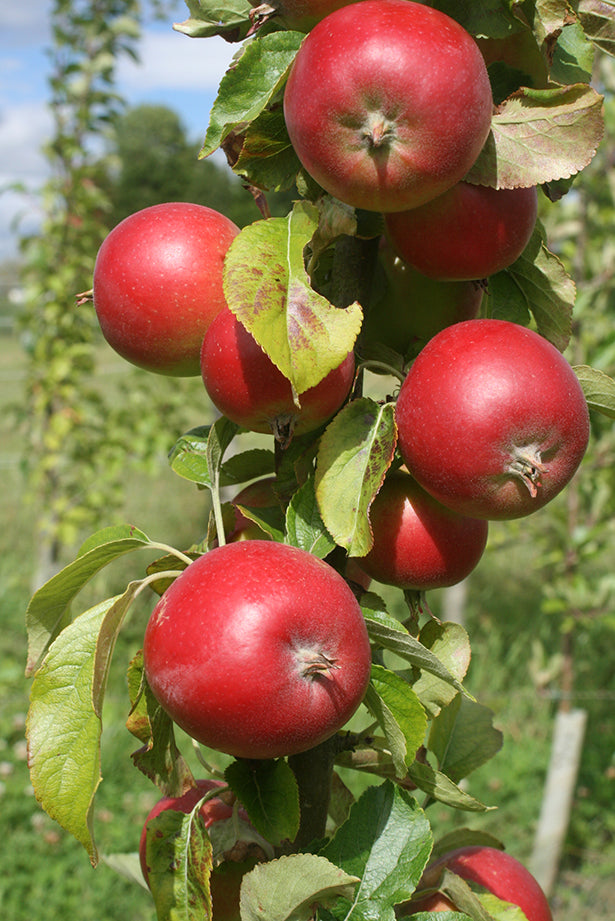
column 103, row 108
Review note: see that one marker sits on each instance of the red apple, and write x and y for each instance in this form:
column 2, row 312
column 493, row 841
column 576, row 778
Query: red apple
column 418, row 543
column 492, row 420
column 158, row 284
column 412, row 308
column 244, row 384
column 225, row 880
column 258, row 649
column 388, row 104
column 494, row 871
column 469, row 232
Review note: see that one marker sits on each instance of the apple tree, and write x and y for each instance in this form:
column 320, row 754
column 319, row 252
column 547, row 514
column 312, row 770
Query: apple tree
column 332, row 717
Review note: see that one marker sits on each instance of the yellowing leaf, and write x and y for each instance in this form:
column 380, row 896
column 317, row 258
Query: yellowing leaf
column 268, row 289
column 539, row 136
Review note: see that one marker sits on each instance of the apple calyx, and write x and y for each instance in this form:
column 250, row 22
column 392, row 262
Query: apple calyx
column 313, row 663
column 378, row 132
column 527, row 466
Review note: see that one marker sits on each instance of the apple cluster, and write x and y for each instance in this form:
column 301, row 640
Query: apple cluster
column 259, row 649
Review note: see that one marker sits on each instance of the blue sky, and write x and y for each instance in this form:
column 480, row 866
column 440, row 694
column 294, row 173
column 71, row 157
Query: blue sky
column 180, row 72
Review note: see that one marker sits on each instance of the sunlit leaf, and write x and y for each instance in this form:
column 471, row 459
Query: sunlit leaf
column 599, row 389
column 463, row 737
column 48, row 611
column 400, row 714
column 249, row 84
column 386, row 841
column 354, row 454
column 540, row 135
column 268, row 289
column 304, row 526
column 288, row 889
column 64, row 719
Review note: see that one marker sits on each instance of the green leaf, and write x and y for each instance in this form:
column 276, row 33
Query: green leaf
column 450, row 643
column 288, row 889
column 231, row 19
column 188, row 456
column 441, row 788
column 499, row 909
column 386, row 841
column 489, row 18
column 535, row 283
column 197, row 455
column 407, row 647
column 400, row 714
column 48, row 611
column 64, row 718
column 463, row 737
column 573, row 56
column 268, row 790
column 249, row 85
column 354, row 454
column 127, row 865
column 304, row 526
column 159, row 757
column 268, row 289
column 599, row 389
column 375, row 609
column 460, row 893
column 179, row 858
column 538, row 136
column 248, row 465
column 219, row 438
column 267, row 159
column 270, row 520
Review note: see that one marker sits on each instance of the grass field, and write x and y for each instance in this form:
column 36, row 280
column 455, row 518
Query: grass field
column 47, row 875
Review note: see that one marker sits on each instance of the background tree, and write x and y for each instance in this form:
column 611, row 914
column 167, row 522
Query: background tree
column 74, row 437
column 155, row 161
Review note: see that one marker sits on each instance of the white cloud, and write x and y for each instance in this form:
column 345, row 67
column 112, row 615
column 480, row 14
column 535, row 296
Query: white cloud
column 23, row 129
column 174, row 61
column 25, row 23
column 182, row 71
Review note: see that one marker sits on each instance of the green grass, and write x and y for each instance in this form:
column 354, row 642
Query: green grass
column 47, row 874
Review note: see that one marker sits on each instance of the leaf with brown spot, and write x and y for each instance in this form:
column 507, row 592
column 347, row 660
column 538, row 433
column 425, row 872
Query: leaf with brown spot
column 267, row 287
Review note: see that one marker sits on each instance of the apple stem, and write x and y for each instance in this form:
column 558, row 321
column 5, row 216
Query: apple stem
column 373, row 364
